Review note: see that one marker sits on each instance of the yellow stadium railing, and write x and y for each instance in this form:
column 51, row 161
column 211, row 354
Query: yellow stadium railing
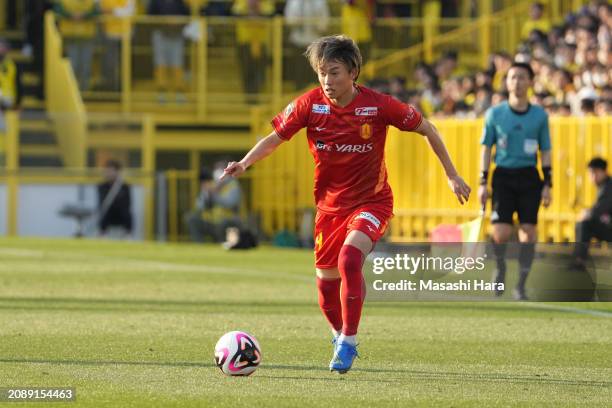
column 64, row 104
column 283, row 184
column 9, row 142
column 217, row 83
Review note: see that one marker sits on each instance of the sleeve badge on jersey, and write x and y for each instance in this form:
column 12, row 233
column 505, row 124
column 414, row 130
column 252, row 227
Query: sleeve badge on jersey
column 366, row 131
column 288, row 110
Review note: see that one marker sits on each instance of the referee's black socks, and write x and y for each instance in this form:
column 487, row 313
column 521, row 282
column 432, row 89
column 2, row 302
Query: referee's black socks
column 526, row 255
column 500, row 258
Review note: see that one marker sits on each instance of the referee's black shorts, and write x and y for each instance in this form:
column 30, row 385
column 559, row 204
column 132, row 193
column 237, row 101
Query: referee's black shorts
column 516, row 190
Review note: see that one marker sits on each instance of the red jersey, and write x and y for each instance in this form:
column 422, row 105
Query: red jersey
column 348, row 145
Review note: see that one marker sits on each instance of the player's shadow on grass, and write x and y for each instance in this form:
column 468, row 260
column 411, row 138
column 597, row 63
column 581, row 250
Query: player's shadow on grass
column 406, row 374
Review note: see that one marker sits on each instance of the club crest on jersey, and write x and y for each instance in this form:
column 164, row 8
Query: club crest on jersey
column 323, row 109
column 366, row 131
column 366, row 111
column 369, row 217
column 319, row 242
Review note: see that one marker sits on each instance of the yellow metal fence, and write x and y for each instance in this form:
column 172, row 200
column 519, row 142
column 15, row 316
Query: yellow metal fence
column 64, row 104
column 283, row 183
column 217, row 81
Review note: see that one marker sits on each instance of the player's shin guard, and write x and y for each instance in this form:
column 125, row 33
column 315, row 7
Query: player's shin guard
column 526, row 255
column 350, row 262
column 329, row 301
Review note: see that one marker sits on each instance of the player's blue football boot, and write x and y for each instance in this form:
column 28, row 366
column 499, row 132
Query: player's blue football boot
column 344, row 355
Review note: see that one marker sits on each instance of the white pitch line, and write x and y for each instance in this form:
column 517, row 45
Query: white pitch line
column 598, row 313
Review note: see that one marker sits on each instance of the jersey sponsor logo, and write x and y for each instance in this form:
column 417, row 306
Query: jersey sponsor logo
column 366, row 131
column 369, row 217
column 323, row 109
column 354, row 148
column 319, row 129
column 367, row 111
column 323, row 146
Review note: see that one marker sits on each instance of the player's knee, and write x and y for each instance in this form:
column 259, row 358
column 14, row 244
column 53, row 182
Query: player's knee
column 528, row 233
column 350, row 258
column 328, row 274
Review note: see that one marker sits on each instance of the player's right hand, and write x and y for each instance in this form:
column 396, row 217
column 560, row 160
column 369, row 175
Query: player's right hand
column 233, row 169
column 483, row 196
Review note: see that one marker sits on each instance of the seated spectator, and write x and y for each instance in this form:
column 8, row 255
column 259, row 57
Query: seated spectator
column 482, row 100
column 596, row 221
column 78, row 28
column 114, row 201
column 217, row 206
column 501, row 63
column 603, row 107
column 536, row 21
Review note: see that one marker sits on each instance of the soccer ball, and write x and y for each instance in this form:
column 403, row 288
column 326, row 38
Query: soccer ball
column 237, row 353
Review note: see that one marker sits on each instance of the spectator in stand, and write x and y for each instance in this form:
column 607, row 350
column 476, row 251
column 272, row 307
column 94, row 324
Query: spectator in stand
column 357, row 17
column 596, row 222
column 445, row 67
column 308, row 20
column 501, row 63
column 10, row 81
column 114, row 11
column 169, row 50
column 603, row 107
column 252, row 36
column 114, row 201
column 482, row 100
column 536, row 21
column 34, row 40
column 78, row 27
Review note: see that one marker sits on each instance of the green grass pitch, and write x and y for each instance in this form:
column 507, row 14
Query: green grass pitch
column 134, row 325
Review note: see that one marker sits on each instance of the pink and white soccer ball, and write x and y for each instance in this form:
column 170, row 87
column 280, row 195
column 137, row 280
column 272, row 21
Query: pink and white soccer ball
column 237, row 353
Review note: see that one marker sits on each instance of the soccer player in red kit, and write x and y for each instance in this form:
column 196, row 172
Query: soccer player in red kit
column 346, row 130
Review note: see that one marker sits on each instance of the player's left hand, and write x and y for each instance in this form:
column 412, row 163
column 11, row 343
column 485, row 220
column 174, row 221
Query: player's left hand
column 460, row 188
column 546, row 197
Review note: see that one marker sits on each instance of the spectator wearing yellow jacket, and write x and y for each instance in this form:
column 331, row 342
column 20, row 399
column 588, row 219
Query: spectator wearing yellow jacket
column 114, row 12
column 357, row 16
column 10, row 80
column 253, row 34
column 536, row 21
column 78, row 28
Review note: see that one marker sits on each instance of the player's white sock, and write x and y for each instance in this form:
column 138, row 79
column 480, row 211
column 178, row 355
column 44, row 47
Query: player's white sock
column 336, row 333
column 352, row 340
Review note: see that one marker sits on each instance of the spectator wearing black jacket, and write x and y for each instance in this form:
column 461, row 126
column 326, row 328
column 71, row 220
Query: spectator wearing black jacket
column 596, row 221
column 114, row 200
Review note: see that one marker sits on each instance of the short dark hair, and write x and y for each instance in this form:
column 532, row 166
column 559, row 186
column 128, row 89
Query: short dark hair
column 598, row 163
column 334, row 48
column 205, row 174
column 113, row 164
column 524, row 66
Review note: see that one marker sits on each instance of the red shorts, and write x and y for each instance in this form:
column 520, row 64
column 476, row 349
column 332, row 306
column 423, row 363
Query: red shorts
column 332, row 230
